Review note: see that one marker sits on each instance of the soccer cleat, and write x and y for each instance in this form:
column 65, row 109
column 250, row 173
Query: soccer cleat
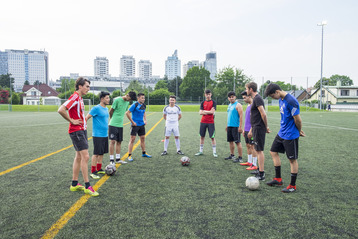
column 252, row 167
column 238, row 160
column 101, row 171
column 275, row 182
column 112, row 162
column 94, row 175
column 230, row 157
column 91, row 191
column 164, row 153
column 215, row 155
column 246, row 164
column 180, row 152
column 255, row 172
column 289, row 189
column 121, row 161
column 130, row 158
column 146, row 155
column 78, row 187
column 198, row 154
column 260, row 177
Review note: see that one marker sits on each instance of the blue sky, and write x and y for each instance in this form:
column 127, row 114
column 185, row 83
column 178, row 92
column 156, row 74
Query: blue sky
column 274, row 39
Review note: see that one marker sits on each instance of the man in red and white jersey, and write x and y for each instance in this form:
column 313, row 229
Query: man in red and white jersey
column 78, row 134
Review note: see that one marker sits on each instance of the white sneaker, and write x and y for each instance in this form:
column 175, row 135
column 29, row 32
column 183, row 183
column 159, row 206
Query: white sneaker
column 121, row 162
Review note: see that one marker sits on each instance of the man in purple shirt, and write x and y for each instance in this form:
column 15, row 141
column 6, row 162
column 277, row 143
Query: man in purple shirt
column 251, row 153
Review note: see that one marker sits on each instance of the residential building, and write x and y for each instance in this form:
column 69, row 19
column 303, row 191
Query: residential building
column 40, row 94
column 300, row 95
column 101, row 66
column 172, row 66
column 210, row 64
column 127, row 66
column 188, row 66
column 145, row 69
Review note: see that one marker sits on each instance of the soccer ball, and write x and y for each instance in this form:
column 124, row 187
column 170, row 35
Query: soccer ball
column 110, row 169
column 185, row 161
column 252, row 183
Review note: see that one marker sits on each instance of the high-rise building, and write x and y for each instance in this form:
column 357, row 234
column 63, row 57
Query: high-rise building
column 172, row 66
column 101, row 66
column 188, row 66
column 210, row 64
column 127, row 66
column 25, row 65
column 145, row 69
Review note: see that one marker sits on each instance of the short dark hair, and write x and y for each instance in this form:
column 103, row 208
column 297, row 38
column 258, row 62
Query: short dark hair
column 81, row 81
column 140, row 94
column 244, row 93
column 271, row 89
column 133, row 95
column 207, row 91
column 231, row 93
column 103, row 94
column 252, row 85
column 173, row 96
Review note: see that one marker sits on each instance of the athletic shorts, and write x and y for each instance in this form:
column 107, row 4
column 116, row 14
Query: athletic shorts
column 171, row 130
column 210, row 127
column 247, row 140
column 281, row 145
column 233, row 134
column 259, row 135
column 115, row 133
column 140, row 130
column 79, row 140
column 100, row 145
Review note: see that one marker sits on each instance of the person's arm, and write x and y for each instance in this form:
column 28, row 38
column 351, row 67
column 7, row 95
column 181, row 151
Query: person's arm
column 240, row 111
column 298, row 123
column 179, row 116
column 63, row 112
column 249, row 135
column 145, row 118
column 88, row 116
column 165, row 116
column 264, row 117
column 111, row 113
column 128, row 114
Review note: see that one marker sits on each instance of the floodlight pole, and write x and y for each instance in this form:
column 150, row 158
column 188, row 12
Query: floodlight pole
column 322, row 24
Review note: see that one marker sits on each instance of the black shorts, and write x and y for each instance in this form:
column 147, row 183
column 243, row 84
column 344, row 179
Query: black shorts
column 259, row 135
column 115, row 133
column 232, row 134
column 247, row 140
column 210, row 127
column 140, row 130
column 79, row 140
column 100, row 145
column 281, row 145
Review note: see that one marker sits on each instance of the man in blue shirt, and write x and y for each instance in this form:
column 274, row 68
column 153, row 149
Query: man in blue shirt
column 287, row 138
column 100, row 133
column 138, row 120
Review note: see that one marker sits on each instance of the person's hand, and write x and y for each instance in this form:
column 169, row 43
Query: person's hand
column 76, row 121
column 268, row 130
column 145, row 122
column 249, row 135
column 134, row 124
column 302, row 134
column 226, row 128
column 240, row 129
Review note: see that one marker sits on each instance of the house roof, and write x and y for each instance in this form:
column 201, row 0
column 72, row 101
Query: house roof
column 43, row 88
column 296, row 93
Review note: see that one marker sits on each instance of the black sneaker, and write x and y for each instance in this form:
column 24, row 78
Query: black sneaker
column 180, row 152
column 289, row 189
column 164, row 153
column 238, row 160
column 260, row 177
column 230, row 157
column 255, row 172
column 275, row 182
column 118, row 160
column 101, row 171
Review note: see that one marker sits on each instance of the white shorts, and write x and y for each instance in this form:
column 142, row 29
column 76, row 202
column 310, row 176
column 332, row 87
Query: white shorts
column 169, row 130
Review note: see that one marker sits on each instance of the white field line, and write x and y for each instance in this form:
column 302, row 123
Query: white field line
column 30, row 125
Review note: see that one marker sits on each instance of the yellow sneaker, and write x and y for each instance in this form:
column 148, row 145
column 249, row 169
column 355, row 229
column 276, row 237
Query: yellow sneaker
column 91, row 191
column 78, row 187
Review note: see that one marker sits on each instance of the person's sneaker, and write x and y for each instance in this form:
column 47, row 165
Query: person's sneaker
column 215, row 155
column 180, row 152
column 198, row 154
column 94, row 175
column 164, row 153
column 230, row 157
column 146, row 155
column 246, row 164
column 112, row 162
column 255, row 172
column 121, row 162
column 78, row 187
column 101, row 171
column 289, row 189
column 260, row 177
column 238, row 160
column 130, row 158
column 252, row 167
column 275, row 182
column 91, row 191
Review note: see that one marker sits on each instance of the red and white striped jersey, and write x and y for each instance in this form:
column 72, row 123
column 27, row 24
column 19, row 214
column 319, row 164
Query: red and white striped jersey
column 76, row 110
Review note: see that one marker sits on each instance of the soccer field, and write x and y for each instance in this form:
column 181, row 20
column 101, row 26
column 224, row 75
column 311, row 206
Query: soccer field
column 158, row 198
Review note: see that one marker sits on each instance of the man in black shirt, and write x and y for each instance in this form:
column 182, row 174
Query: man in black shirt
column 259, row 126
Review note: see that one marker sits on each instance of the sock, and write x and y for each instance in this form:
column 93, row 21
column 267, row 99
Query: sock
column 111, row 157
column 99, row 166
column 118, row 156
column 262, row 173
column 166, row 143
column 293, row 179
column 201, row 148
column 129, row 155
column 278, row 171
column 177, row 143
column 249, row 158
column 93, row 169
column 254, row 162
column 143, row 152
column 74, row 183
column 87, row 185
column 214, row 149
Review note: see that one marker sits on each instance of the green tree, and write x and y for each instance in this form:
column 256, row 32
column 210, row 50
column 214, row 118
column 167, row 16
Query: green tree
column 15, row 98
column 116, row 93
column 193, row 84
column 67, row 85
column 5, row 81
column 37, row 82
column 157, row 97
column 172, row 85
column 284, row 86
column 162, row 84
column 27, row 82
column 345, row 81
column 135, row 86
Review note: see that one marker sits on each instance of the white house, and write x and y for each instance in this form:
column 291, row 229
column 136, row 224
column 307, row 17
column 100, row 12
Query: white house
column 40, row 94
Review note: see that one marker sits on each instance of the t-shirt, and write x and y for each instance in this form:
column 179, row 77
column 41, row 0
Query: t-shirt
column 208, row 105
column 138, row 111
column 256, row 119
column 172, row 115
column 247, row 118
column 100, row 121
column 233, row 117
column 289, row 107
column 119, row 107
column 76, row 110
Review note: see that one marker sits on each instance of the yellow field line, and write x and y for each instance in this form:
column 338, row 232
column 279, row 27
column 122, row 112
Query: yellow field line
column 45, row 156
column 55, row 228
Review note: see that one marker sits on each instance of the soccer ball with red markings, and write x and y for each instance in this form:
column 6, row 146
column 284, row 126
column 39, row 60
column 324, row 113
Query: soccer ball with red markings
column 110, row 169
column 185, row 161
column 252, row 183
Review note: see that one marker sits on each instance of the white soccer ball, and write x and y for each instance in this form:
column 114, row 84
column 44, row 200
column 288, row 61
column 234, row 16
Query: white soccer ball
column 110, row 169
column 252, row 183
column 185, row 161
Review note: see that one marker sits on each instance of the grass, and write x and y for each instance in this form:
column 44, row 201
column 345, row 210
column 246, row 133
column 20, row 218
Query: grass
column 158, row 198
